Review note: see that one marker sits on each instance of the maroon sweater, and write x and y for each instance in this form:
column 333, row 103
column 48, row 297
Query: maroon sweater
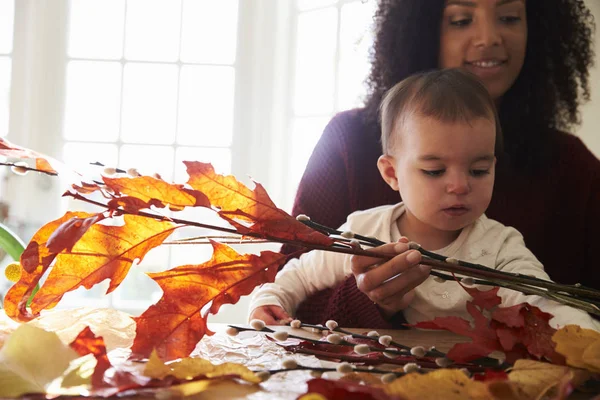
column 557, row 210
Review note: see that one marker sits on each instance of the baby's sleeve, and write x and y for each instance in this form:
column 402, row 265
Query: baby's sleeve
column 513, row 256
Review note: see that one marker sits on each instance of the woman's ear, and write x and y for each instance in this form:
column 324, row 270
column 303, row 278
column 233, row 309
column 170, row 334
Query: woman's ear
column 387, row 169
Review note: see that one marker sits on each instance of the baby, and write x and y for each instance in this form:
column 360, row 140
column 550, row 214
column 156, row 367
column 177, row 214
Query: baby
column 440, row 137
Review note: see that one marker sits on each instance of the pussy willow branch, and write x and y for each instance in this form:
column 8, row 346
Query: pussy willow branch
column 561, row 293
column 26, row 168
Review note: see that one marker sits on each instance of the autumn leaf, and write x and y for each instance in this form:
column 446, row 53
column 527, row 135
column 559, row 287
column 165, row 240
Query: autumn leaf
column 174, row 325
column 87, row 343
column 339, row 389
column 485, row 299
column 35, row 260
column 447, row 384
column 145, row 191
column 42, row 162
column 581, row 347
column 238, row 203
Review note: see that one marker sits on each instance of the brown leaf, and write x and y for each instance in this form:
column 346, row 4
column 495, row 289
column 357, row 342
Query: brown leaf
column 35, row 260
column 253, row 207
column 174, row 325
column 155, row 192
column 103, row 252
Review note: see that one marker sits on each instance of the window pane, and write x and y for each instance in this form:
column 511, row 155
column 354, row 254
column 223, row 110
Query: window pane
column 305, row 134
column 315, row 62
column 209, row 32
column 5, row 66
column 93, row 101
column 96, row 28
column 355, row 41
column 137, row 285
column 7, row 15
column 153, row 29
column 308, row 4
column 219, row 158
column 148, row 160
column 205, row 106
column 149, row 103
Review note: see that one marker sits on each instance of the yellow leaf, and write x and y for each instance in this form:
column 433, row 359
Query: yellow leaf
column 30, row 360
column 446, row 384
column 313, row 396
column 591, row 357
column 536, row 379
column 217, row 389
column 156, row 368
column 572, row 341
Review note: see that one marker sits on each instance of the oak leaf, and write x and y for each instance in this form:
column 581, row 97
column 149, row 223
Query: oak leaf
column 239, row 206
column 174, row 325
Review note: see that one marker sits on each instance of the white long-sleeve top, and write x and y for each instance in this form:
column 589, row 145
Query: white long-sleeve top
column 485, row 242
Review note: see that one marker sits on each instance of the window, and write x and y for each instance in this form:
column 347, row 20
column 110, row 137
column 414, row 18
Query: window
column 7, row 11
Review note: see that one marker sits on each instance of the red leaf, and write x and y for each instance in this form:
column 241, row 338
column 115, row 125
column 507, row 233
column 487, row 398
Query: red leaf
column 486, row 299
column 491, row 375
column 254, row 207
column 174, row 325
column 337, row 389
column 69, row 233
column 510, row 316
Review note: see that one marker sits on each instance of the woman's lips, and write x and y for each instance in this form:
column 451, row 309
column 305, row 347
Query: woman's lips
column 485, row 68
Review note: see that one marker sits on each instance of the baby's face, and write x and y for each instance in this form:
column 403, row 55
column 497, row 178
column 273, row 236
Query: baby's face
column 445, row 171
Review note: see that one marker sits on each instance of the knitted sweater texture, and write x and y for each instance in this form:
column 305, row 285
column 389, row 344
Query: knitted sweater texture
column 557, row 210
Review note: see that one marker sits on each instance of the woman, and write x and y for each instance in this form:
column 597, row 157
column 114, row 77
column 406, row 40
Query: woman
column 534, row 58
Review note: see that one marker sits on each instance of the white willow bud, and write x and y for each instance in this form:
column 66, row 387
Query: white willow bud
column 418, row 351
column 316, row 374
column 439, row 279
column 281, row 336
column 347, row 235
column 467, row 281
column 109, row 171
column 302, row 218
column 373, row 334
column 345, row 368
column 156, row 175
column 355, row 243
column 388, row 378
column 389, row 353
column 385, row 340
column 452, row 260
column 334, row 338
column 411, row 367
column 257, row 324
column 443, row 362
column 133, row 172
column 231, row 331
column 19, row 168
column 263, row 375
column 414, row 245
column 289, row 363
column 331, row 325
column 361, row 348
column 296, row 324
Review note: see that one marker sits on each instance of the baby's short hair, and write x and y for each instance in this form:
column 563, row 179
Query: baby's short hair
column 447, row 95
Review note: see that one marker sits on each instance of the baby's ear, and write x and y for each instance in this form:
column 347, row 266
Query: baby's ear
column 387, row 169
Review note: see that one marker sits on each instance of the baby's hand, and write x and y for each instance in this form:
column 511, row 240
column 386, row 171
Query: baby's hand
column 271, row 315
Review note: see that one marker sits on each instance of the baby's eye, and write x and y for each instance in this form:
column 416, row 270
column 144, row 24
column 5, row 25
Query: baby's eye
column 434, row 172
column 480, row 172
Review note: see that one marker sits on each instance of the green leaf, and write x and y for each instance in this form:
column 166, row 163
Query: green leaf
column 31, row 359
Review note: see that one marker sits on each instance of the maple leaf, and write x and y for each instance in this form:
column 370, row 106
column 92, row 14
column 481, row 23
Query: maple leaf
column 238, row 203
column 35, row 260
column 441, row 384
column 42, row 162
column 581, row 347
column 174, row 325
column 146, row 191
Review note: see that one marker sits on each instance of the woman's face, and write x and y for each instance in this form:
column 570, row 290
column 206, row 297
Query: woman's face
column 486, row 37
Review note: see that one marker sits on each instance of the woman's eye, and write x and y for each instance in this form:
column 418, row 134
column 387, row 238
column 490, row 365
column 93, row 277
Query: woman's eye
column 510, row 19
column 434, row 173
column 460, row 22
column 480, row 172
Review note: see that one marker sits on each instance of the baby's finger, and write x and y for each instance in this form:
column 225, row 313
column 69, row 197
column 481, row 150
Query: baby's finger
column 360, row 264
column 398, row 286
column 280, row 315
column 265, row 315
column 375, row 277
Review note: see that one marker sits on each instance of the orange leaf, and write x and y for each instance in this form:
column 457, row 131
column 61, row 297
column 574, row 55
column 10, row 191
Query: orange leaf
column 35, row 260
column 174, row 325
column 156, row 192
column 42, row 163
column 103, row 252
column 238, row 202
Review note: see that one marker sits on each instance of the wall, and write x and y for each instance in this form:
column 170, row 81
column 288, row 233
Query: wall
column 590, row 127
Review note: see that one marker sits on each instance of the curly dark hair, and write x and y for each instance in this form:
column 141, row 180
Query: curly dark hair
column 546, row 96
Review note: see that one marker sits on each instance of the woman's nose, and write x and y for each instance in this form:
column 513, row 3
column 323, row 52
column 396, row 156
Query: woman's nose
column 487, row 33
column 458, row 184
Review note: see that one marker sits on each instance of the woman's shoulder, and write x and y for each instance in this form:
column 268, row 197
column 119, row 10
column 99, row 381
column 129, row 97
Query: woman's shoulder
column 351, row 125
column 572, row 149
